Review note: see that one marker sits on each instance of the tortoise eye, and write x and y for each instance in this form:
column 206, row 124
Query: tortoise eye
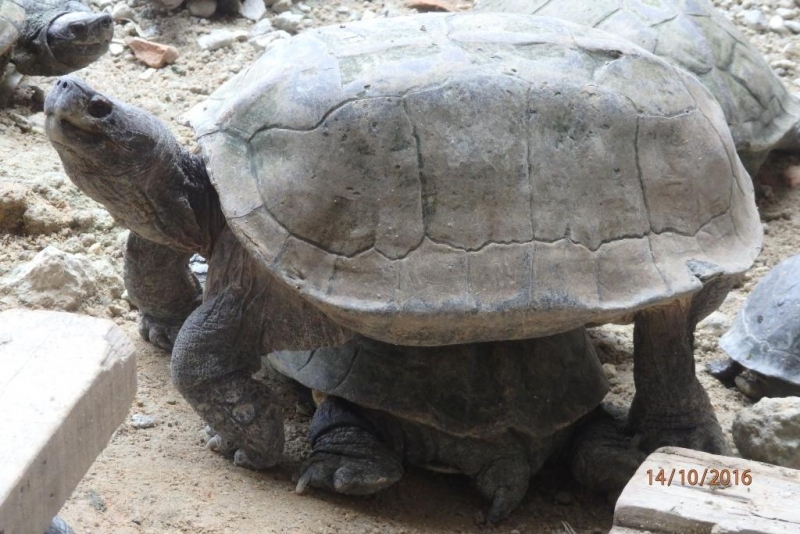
column 99, row 107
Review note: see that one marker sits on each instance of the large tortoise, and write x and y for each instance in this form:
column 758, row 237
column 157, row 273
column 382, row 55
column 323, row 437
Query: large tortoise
column 432, row 180
column 764, row 340
column 51, row 37
column 762, row 115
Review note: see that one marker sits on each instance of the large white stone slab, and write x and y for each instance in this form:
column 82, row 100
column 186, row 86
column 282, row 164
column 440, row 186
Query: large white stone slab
column 66, row 383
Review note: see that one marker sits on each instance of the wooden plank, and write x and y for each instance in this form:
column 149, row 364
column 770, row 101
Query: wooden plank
column 66, row 383
column 770, row 504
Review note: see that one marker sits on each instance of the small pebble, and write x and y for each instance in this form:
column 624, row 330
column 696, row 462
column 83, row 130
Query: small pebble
column 216, row 39
column 282, row 6
column 610, row 370
column 139, row 420
column 287, row 21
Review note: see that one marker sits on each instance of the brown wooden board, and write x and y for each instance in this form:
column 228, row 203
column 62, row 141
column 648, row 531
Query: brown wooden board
column 769, row 504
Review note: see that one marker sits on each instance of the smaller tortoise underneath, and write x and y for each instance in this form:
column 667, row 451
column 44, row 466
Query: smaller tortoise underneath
column 764, row 341
column 428, row 181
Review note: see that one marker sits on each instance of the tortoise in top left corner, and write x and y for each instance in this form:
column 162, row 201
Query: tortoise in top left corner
column 51, row 37
column 425, row 181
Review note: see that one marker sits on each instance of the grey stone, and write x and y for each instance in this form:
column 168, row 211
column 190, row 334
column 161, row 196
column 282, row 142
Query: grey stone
column 769, row 431
column 216, row 39
column 13, row 204
column 123, row 12
column 755, row 19
column 142, row 421
column 287, row 21
column 267, row 41
column 793, row 25
column 716, row 323
column 42, row 218
column 777, row 24
column 282, row 6
column 262, row 27
column 253, row 9
column 57, row 280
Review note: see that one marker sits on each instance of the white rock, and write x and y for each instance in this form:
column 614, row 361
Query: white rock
column 268, row 41
column 262, row 27
column 769, row 431
column 57, row 280
column 116, row 49
column 784, row 64
column 755, row 19
column 287, row 21
column 786, row 14
column 253, row 9
column 216, row 39
column 123, row 12
column 793, row 25
column 716, row 323
column 139, row 420
column 42, row 218
column 777, row 24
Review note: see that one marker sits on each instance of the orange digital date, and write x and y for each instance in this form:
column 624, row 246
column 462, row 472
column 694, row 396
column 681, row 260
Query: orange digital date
column 694, row 477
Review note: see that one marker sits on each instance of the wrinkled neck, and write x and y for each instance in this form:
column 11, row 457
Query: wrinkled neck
column 204, row 202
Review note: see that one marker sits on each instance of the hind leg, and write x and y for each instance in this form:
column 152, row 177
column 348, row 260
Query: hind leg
column 348, row 457
column 504, row 482
column 213, row 361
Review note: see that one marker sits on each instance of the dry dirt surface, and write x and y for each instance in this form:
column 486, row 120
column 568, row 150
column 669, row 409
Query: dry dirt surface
column 162, row 479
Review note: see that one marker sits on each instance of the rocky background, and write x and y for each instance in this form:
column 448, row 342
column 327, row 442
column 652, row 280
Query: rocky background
column 59, row 250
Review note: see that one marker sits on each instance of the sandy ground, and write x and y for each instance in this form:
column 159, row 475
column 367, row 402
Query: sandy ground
column 163, row 479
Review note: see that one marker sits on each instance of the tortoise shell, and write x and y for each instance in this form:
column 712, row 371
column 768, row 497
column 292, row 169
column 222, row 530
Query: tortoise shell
column 765, row 336
column 453, row 178
column 696, row 36
column 533, row 386
column 12, row 16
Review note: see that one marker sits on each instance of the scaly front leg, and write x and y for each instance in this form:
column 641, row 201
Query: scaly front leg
column 161, row 285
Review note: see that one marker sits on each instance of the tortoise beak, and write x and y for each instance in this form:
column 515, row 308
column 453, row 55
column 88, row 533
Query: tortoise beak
column 66, row 96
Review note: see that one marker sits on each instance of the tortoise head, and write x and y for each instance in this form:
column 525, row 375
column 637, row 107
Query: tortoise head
column 59, row 41
column 77, row 39
column 126, row 159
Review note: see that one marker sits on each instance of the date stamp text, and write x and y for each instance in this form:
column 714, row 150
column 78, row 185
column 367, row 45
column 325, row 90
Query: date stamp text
column 697, row 477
